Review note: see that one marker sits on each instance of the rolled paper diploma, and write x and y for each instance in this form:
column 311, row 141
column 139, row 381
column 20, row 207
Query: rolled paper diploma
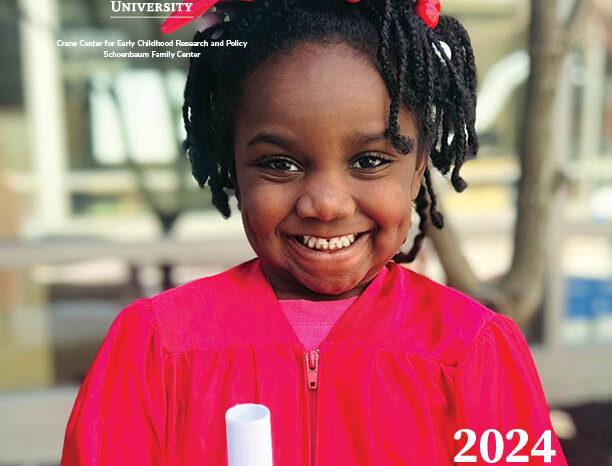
column 249, row 435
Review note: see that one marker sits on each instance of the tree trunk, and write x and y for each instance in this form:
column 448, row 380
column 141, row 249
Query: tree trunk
column 518, row 293
column 524, row 284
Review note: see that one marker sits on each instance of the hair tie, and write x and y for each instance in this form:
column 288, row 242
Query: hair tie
column 429, row 11
column 445, row 50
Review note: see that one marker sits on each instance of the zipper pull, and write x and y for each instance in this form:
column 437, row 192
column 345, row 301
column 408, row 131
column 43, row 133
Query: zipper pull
column 312, row 368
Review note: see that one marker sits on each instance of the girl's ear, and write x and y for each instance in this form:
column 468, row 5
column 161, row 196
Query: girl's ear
column 419, row 170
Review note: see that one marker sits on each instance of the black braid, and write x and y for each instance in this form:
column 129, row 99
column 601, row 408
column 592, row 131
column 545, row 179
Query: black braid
column 421, row 209
column 383, row 51
column 397, row 140
column 436, row 217
column 458, row 146
column 417, row 73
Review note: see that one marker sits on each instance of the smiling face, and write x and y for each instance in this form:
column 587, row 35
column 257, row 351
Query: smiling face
column 313, row 160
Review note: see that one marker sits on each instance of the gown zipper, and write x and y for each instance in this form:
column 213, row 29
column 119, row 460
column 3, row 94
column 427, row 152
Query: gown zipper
column 312, row 373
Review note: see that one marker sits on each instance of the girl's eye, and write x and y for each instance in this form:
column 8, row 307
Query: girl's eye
column 278, row 164
column 370, row 161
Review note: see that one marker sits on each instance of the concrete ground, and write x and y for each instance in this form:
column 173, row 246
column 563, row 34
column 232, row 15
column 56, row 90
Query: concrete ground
column 592, row 444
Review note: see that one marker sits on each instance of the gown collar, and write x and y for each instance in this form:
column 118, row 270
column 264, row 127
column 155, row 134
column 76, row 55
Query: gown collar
column 354, row 318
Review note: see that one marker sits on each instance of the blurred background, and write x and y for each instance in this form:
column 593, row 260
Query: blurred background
column 98, row 207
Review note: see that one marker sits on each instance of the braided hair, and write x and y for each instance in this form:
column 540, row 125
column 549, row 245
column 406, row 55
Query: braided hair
column 418, row 74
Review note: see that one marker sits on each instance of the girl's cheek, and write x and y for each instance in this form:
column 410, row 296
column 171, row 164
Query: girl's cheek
column 393, row 216
column 391, row 207
column 264, row 209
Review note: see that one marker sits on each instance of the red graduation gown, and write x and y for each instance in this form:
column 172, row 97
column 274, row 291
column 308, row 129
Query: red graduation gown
column 406, row 366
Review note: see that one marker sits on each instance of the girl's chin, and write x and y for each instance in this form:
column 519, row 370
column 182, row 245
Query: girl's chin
column 296, row 284
column 323, row 289
column 326, row 292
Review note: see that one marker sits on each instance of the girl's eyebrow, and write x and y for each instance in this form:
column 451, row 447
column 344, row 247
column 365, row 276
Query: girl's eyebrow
column 364, row 138
column 357, row 137
column 270, row 138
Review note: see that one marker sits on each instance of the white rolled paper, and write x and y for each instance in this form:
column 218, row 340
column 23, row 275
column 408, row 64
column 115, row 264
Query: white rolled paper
column 249, row 435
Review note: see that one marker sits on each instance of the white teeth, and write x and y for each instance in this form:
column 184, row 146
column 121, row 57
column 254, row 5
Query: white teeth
column 335, row 243
column 322, row 244
column 331, row 244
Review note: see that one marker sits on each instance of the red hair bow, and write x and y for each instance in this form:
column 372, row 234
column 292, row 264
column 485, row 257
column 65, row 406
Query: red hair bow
column 428, row 10
column 178, row 19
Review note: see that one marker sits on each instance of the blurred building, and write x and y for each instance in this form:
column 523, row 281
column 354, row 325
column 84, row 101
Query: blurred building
column 98, row 207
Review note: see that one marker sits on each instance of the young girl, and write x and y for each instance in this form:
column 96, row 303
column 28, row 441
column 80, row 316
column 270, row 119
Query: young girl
column 326, row 126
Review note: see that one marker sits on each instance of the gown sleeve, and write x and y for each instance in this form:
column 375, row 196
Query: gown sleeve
column 497, row 387
column 119, row 414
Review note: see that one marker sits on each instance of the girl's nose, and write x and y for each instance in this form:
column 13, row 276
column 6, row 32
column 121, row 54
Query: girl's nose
column 325, row 198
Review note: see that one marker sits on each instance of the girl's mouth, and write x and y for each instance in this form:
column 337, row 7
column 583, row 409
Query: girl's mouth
column 329, row 245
